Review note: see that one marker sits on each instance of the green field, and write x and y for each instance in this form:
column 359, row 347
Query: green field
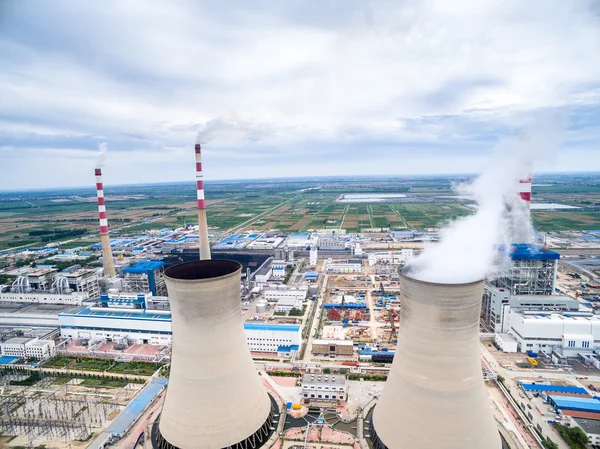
column 101, row 365
column 269, row 205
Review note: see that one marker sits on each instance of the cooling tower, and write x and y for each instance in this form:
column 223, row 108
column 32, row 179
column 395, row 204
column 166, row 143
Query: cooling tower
column 434, row 396
column 215, row 398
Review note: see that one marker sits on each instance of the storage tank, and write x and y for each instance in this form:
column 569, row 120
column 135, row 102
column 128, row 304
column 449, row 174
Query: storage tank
column 435, row 394
column 215, row 397
column 261, row 307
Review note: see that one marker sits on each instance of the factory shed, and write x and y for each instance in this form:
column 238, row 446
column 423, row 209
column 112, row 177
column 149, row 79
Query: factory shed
column 538, row 388
column 566, row 404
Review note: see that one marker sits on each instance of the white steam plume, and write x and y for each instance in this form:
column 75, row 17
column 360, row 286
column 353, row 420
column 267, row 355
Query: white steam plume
column 215, row 126
column 468, row 248
column 101, row 158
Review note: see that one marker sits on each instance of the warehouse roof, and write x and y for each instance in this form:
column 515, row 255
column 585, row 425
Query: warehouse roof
column 144, row 267
column 271, row 327
column 591, row 426
column 553, row 388
column 527, row 251
column 580, row 404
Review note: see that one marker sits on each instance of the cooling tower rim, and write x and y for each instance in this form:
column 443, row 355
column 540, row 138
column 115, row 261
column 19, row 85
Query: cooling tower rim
column 203, row 271
column 404, row 275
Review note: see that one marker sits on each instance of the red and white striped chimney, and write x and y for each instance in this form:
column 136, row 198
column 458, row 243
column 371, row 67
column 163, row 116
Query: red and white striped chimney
column 202, row 223
column 107, row 257
column 525, row 189
column 523, row 217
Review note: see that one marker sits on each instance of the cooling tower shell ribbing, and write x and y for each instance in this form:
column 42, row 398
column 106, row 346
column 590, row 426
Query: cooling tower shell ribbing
column 435, row 394
column 215, row 397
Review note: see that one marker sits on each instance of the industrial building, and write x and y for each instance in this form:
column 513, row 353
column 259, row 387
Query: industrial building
column 277, row 293
column 529, row 284
column 273, row 338
column 390, row 257
column 533, row 271
column 48, row 286
column 341, row 267
column 332, row 243
column 83, row 280
column 28, row 347
column 591, row 427
column 41, row 297
column 133, row 326
column 311, row 276
column 30, row 315
column 568, row 334
column 226, row 405
column 323, row 387
column 333, row 348
column 287, row 304
column 436, row 369
column 499, row 302
column 147, row 276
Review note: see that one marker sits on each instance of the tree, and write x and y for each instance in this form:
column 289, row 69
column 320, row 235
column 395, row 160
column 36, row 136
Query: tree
column 500, row 379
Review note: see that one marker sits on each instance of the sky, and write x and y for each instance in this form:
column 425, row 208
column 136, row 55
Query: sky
column 294, row 88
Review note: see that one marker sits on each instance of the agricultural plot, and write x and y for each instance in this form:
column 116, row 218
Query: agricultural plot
column 283, row 205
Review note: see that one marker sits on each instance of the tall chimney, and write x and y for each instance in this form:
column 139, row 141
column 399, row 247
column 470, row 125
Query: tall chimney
column 434, row 395
column 523, row 215
column 215, row 399
column 202, row 223
column 107, row 257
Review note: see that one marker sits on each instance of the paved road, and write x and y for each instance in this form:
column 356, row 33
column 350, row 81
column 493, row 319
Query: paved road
column 316, row 319
column 510, row 380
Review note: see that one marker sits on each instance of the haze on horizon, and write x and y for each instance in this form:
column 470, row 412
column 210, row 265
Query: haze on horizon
column 292, row 88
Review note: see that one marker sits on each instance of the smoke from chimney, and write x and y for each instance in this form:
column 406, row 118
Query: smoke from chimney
column 468, row 250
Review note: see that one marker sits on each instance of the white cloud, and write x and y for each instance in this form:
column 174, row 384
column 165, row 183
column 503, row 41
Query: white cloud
column 144, row 75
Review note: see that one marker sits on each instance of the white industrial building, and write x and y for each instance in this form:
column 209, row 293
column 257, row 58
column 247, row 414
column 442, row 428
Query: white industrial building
column 568, row 334
column 154, row 327
column 323, row 387
column 332, row 243
column 287, row 304
column 506, row 343
column 83, row 280
column 283, row 339
column 497, row 302
column 277, row 293
column 28, row 347
column 350, row 266
column 390, row 257
column 42, row 297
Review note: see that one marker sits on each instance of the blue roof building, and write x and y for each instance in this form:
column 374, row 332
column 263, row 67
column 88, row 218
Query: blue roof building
column 146, row 276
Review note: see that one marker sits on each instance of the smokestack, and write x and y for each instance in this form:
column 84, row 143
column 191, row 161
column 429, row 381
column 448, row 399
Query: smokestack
column 522, row 217
column 435, row 394
column 202, row 223
column 107, row 257
column 215, row 399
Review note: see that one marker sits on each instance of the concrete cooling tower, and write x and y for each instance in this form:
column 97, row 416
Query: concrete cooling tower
column 215, row 397
column 435, row 396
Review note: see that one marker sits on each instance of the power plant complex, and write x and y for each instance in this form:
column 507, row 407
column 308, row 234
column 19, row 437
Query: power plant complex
column 295, row 349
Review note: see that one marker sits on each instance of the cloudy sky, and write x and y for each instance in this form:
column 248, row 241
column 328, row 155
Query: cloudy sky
column 289, row 88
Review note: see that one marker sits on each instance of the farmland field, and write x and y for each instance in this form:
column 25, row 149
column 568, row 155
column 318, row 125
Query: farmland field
column 68, row 218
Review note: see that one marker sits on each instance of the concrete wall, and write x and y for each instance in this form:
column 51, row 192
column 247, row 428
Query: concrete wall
column 215, row 398
column 435, row 395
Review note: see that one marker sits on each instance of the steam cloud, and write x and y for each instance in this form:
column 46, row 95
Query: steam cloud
column 215, row 126
column 468, row 248
column 101, row 158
